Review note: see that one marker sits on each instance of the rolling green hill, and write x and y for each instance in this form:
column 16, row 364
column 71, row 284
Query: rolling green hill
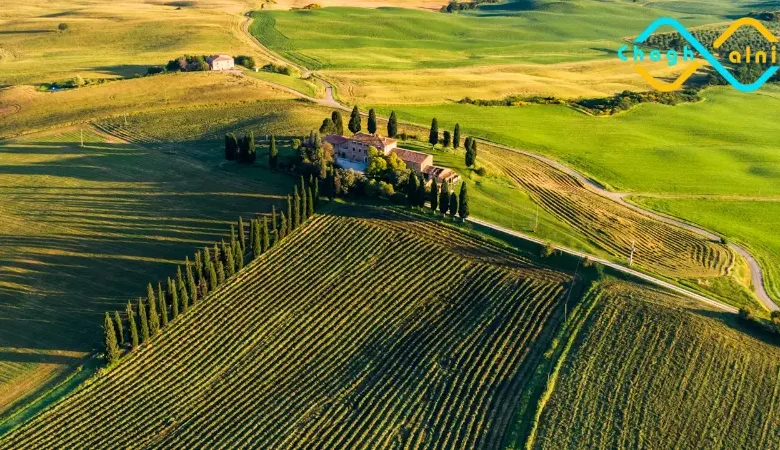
column 364, row 329
column 649, row 371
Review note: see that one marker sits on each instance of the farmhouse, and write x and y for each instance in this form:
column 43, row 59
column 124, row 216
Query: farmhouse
column 220, row 62
column 355, row 148
column 352, row 152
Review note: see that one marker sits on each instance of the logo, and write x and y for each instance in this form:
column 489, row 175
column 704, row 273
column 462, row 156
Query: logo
column 673, row 57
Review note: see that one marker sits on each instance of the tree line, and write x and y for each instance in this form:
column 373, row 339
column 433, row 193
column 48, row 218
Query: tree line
column 211, row 268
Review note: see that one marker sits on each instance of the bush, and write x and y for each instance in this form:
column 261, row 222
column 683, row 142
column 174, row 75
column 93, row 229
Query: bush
column 745, row 313
column 63, row 27
column 246, row 61
column 275, row 68
column 480, row 171
column 548, row 250
column 154, row 70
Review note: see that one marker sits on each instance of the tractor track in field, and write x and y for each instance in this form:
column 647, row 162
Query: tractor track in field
column 756, row 274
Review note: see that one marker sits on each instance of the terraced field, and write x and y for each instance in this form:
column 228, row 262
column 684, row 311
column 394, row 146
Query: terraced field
column 364, row 329
column 648, row 371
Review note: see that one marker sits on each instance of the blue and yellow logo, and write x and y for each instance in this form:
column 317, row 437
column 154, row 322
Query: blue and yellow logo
column 673, row 57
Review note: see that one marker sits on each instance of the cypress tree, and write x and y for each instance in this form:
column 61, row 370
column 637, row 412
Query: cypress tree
column 371, row 121
column 198, row 266
column 252, row 241
column 120, row 329
column 433, row 137
column 467, row 144
column 327, row 126
column 273, row 154
column 228, row 154
column 257, row 240
column 444, row 198
column 109, row 336
column 274, row 221
column 252, row 151
column 297, row 209
column 282, row 226
column 174, row 294
column 316, row 193
column 456, row 136
column 144, row 321
column 309, row 202
column 203, row 289
column 265, row 236
column 434, row 195
column 131, row 327
column 223, row 252
column 233, row 239
column 187, row 294
column 338, row 122
column 289, row 227
column 446, row 139
column 220, row 269
column 469, row 157
column 392, row 125
column 411, row 189
column 239, row 261
column 420, row 197
column 163, row 305
column 154, row 317
column 213, row 280
column 463, row 208
column 241, row 233
column 354, row 120
column 304, row 208
column 474, row 148
column 453, row 205
column 230, row 263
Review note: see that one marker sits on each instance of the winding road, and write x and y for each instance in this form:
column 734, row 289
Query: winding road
column 756, row 274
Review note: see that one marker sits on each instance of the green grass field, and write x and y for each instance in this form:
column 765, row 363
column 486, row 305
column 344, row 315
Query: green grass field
column 724, row 145
column 404, row 39
column 752, row 224
column 646, row 370
column 343, row 336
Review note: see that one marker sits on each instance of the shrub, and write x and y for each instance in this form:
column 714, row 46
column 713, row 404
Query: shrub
column 63, row 27
column 154, row 70
column 480, row 171
column 548, row 250
column 745, row 313
column 246, row 61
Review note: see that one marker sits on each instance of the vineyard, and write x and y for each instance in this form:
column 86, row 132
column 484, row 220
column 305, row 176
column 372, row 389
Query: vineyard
column 658, row 246
column 648, row 371
column 365, row 329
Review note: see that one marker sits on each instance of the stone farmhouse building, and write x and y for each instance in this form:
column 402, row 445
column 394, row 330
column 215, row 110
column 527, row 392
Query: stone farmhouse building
column 354, row 150
column 220, row 62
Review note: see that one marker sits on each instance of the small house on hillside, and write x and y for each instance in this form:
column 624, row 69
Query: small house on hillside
column 352, row 153
column 355, row 148
column 220, row 62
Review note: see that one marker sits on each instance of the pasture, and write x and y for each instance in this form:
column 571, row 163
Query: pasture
column 723, row 145
column 648, row 370
column 751, row 223
column 112, row 39
column 348, row 335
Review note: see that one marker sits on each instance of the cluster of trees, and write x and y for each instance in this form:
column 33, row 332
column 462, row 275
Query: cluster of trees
column 335, row 123
column 446, row 202
column 145, row 318
column 188, row 63
column 447, row 139
column 246, row 61
column 278, row 68
column 241, row 149
column 455, row 6
column 622, row 101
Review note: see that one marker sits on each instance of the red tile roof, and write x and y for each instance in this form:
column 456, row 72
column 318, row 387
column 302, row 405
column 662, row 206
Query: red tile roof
column 334, row 139
column 411, row 155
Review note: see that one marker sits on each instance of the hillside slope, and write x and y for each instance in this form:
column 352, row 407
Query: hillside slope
column 366, row 329
column 647, row 371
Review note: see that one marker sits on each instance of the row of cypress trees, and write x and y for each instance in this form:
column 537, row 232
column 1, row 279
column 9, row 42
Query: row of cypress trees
column 335, row 123
column 440, row 200
column 242, row 149
column 211, row 268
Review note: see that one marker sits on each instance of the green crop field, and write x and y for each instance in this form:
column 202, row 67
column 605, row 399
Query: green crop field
column 84, row 228
column 753, row 224
column 724, row 145
column 648, row 371
column 365, row 328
